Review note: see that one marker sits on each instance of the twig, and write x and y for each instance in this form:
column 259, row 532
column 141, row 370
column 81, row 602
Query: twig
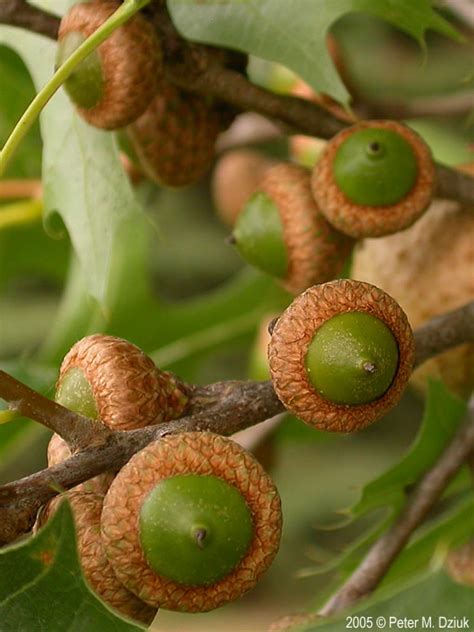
column 20, row 189
column 77, row 430
column 443, row 332
column 20, row 13
column 454, row 184
column 382, row 554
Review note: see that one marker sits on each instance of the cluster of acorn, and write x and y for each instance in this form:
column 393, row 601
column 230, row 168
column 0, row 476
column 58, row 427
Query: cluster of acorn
column 190, row 522
column 122, row 84
column 193, row 520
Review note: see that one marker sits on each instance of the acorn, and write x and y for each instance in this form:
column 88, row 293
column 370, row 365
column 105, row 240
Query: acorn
column 282, row 232
column 373, row 179
column 428, row 269
column 191, row 522
column 235, row 179
column 174, row 138
column 107, row 378
column 98, row 573
column 459, row 564
column 341, row 355
column 115, row 84
column 59, row 451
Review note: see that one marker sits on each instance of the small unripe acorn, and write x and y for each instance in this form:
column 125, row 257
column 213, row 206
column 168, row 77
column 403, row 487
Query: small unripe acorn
column 341, row 355
column 459, row 564
column 282, row 232
column 373, row 179
column 59, row 451
column 115, row 83
column 107, row 378
column 174, row 138
column 201, row 520
column 428, row 269
column 99, row 574
column 235, row 179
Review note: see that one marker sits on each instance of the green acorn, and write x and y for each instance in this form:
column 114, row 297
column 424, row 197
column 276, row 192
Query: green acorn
column 114, row 84
column 201, row 519
column 373, row 179
column 340, row 355
column 282, row 232
column 107, row 378
column 175, row 137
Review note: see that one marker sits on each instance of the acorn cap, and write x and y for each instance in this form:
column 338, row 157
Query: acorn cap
column 174, row 138
column 362, row 220
column 438, row 247
column 128, row 389
column 59, row 451
column 99, row 574
column 459, row 564
column 235, row 179
column 294, row 333
column 316, row 252
column 122, row 74
column 201, row 454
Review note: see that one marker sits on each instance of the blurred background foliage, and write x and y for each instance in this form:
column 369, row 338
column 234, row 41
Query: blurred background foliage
column 183, row 294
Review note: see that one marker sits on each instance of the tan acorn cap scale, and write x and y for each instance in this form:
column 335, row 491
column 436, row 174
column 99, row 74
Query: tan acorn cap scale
column 235, row 178
column 428, row 269
column 312, row 251
column 174, row 138
column 59, row 451
column 234, row 527
column 387, row 173
column 114, row 85
column 121, row 381
column 364, row 356
column 99, row 574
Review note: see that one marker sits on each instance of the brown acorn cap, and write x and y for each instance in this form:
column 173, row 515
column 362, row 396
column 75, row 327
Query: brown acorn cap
column 200, row 453
column 235, row 179
column 294, row 332
column 99, row 574
column 459, row 564
column 373, row 221
column 316, row 251
column 129, row 390
column 428, row 269
column 59, row 451
column 130, row 59
column 174, row 138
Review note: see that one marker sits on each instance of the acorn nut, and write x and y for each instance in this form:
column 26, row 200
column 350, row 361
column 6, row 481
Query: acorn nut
column 107, row 378
column 373, row 179
column 174, row 138
column 191, row 522
column 115, row 84
column 341, row 355
column 282, row 232
column 99, row 574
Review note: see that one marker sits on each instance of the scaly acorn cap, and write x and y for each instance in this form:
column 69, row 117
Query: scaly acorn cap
column 386, row 166
column 174, row 138
column 235, row 179
column 292, row 340
column 59, row 451
column 99, row 574
column 115, row 84
column 127, row 523
column 121, row 382
column 312, row 251
column 427, row 268
column 459, row 564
